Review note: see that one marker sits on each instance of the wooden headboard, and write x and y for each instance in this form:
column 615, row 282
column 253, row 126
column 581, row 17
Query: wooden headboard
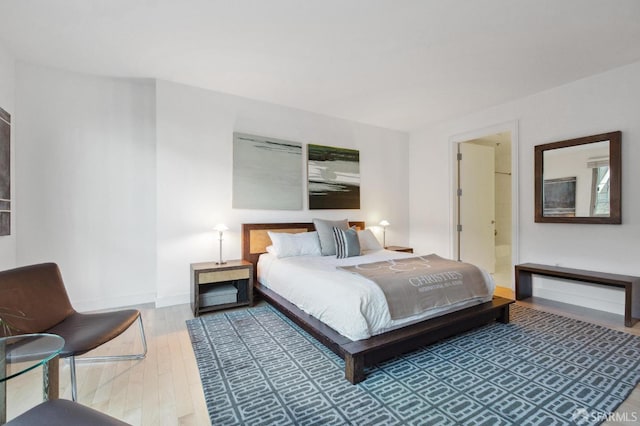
column 255, row 238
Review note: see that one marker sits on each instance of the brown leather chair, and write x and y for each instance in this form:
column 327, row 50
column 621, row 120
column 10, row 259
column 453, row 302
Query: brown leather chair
column 62, row 412
column 33, row 299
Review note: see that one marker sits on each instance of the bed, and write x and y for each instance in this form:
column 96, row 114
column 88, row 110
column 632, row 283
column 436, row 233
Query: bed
column 361, row 350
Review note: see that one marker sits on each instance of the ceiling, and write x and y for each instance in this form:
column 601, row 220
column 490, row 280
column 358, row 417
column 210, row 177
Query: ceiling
column 399, row 64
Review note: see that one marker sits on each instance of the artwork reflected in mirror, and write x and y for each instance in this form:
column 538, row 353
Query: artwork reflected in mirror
column 560, row 197
column 578, row 180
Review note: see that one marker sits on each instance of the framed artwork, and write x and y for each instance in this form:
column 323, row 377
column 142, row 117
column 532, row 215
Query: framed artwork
column 334, row 177
column 267, row 173
column 560, row 197
column 5, row 173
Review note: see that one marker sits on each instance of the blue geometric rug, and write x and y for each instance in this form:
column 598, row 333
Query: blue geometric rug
column 258, row 368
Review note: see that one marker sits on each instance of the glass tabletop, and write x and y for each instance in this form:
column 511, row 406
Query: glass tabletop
column 29, row 350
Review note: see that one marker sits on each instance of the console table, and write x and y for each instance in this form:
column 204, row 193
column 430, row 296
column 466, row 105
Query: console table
column 630, row 284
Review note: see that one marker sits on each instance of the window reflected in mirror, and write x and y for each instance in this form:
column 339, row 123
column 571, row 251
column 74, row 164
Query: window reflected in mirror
column 600, row 191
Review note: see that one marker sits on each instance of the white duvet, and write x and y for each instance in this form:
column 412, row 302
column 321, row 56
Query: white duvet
column 350, row 304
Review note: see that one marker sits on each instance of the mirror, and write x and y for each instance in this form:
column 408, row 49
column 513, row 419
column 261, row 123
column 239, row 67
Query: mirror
column 578, row 180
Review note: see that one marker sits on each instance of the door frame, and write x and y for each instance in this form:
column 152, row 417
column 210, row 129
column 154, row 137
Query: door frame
column 509, row 126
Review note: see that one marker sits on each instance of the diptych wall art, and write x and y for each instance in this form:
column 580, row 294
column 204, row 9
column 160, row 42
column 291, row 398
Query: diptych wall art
column 334, row 177
column 5, row 173
column 267, row 173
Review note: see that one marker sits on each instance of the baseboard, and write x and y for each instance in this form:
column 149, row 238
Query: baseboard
column 114, row 302
column 587, row 295
column 177, row 299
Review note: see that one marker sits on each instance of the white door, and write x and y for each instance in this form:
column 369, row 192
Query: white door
column 476, row 205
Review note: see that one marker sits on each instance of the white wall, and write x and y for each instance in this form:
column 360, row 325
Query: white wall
column 194, row 172
column 598, row 104
column 121, row 181
column 7, row 102
column 85, row 182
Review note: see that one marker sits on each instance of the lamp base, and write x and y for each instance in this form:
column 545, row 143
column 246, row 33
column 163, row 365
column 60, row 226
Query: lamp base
column 221, row 263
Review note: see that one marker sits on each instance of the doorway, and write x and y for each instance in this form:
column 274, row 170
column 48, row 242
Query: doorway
column 484, row 203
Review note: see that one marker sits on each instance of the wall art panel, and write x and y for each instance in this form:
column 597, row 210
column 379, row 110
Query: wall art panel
column 267, row 173
column 5, row 173
column 334, row 177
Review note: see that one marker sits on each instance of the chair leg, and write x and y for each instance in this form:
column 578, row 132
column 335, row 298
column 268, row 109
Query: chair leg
column 72, row 360
column 122, row 357
column 74, row 386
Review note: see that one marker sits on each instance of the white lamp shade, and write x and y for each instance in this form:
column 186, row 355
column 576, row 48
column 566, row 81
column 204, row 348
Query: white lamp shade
column 221, row 227
column 384, row 222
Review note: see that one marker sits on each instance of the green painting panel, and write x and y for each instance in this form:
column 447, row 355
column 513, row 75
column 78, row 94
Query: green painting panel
column 334, row 177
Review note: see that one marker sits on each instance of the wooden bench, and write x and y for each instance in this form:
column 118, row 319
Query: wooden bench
column 630, row 284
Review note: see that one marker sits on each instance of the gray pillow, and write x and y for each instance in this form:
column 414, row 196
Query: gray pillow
column 347, row 243
column 325, row 233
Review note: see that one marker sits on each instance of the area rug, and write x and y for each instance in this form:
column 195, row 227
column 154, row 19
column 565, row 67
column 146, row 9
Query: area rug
column 258, row 368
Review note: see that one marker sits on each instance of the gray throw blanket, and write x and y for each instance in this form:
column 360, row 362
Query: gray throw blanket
column 418, row 284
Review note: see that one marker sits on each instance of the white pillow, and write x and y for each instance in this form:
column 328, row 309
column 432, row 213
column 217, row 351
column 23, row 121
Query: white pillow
column 301, row 244
column 368, row 241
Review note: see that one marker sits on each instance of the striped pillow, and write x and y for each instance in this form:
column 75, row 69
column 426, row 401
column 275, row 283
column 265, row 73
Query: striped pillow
column 347, row 243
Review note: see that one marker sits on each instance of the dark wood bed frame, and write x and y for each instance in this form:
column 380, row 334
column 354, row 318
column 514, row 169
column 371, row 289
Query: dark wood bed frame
column 359, row 354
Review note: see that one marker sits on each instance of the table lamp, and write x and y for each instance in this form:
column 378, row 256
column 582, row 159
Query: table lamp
column 384, row 223
column 221, row 227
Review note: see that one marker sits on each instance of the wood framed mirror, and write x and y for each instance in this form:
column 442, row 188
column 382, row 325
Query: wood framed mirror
column 579, row 180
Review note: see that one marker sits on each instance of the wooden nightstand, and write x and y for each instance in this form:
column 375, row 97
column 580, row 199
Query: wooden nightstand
column 215, row 287
column 400, row 248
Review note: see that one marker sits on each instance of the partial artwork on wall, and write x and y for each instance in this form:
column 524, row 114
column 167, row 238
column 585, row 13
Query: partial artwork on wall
column 267, row 173
column 5, row 173
column 334, row 177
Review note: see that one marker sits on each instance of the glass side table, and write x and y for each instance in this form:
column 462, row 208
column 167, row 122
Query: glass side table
column 29, row 351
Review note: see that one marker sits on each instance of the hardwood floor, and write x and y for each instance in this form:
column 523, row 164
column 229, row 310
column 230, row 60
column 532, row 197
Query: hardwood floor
column 165, row 389
column 162, row 389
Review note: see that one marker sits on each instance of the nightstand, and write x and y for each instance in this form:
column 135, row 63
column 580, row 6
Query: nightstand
column 215, row 287
column 400, row 248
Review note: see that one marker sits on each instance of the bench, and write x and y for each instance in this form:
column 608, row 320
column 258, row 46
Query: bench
column 630, row 284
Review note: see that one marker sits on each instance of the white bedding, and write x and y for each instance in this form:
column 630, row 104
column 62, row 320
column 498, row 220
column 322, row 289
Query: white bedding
column 350, row 304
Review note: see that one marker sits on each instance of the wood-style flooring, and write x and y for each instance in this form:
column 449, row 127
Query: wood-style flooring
column 165, row 389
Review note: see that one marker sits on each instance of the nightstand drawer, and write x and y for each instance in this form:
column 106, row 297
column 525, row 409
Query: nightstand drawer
column 218, row 276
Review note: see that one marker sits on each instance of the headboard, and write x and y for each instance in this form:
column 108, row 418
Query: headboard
column 255, row 238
